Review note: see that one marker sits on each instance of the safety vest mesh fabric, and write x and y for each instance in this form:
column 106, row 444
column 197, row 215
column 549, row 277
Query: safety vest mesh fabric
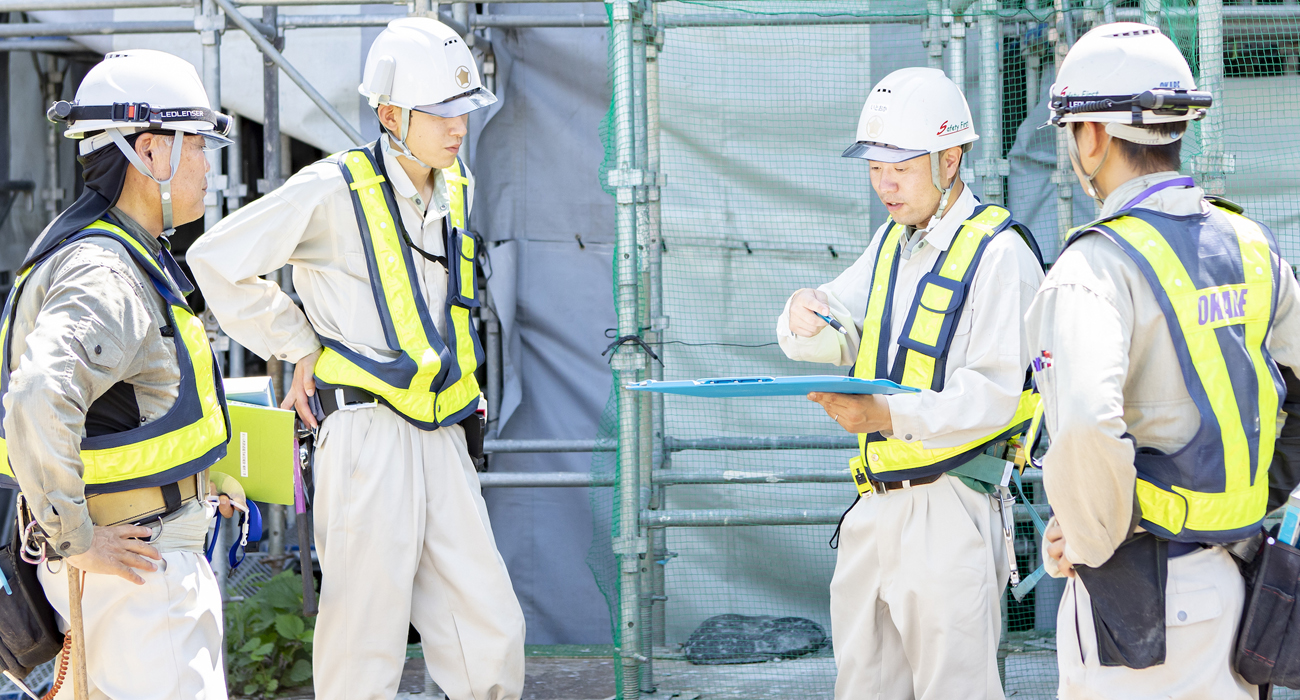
column 1215, row 277
column 431, row 383
column 190, row 437
column 923, row 343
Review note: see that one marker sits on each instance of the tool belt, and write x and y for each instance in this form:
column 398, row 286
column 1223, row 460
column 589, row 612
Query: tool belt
column 880, row 487
column 1268, row 642
column 29, row 632
column 328, row 401
column 139, row 506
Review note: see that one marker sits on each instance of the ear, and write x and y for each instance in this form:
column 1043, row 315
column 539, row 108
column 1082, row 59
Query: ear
column 951, row 161
column 1092, row 139
column 390, row 117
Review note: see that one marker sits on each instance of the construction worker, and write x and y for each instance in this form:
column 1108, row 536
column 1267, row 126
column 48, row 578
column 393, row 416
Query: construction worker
column 112, row 400
column 1157, row 337
column 386, row 273
column 934, row 303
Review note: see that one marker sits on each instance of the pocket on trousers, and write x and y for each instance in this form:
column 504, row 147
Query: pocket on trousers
column 1191, row 607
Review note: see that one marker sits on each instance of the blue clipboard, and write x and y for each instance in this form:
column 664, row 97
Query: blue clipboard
column 729, row 387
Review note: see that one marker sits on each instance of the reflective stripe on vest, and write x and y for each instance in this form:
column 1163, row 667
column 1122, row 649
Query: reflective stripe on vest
column 923, row 344
column 1214, row 277
column 188, row 438
column 431, row 383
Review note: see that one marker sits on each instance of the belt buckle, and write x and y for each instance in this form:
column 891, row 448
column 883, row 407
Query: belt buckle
column 879, row 487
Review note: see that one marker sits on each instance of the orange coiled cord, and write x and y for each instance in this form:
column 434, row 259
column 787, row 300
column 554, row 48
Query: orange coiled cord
column 63, row 667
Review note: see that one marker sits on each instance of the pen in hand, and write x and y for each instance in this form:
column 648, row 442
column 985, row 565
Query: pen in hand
column 832, row 323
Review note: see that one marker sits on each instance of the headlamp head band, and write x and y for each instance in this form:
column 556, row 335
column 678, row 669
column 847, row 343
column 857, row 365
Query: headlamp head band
column 1163, row 102
column 138, row 112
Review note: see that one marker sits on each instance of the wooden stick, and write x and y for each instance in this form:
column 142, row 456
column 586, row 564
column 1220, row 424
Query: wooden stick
column 79, row 681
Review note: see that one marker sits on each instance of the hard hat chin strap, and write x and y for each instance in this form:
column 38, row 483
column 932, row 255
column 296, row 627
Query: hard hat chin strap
column 944, row 192
column 405, row 150
column 164, row 186
column 1077, row 161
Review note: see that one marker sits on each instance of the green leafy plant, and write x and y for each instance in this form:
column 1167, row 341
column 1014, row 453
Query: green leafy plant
column 268, row 641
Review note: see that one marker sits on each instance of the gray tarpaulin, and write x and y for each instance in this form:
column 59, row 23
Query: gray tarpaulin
column 540, row 203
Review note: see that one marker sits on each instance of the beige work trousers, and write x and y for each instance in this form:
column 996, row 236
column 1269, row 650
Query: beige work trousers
column 915, row 600
column 1203, row 604
column 159, row 641
column 403, row 537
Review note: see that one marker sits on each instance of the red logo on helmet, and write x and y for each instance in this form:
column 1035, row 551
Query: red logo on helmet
column 946, row 129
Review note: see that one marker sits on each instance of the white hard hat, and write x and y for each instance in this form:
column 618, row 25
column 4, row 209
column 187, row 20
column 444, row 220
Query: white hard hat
column 912, row 112
column 420, row 63
column 1127, row 75
column 140, row 90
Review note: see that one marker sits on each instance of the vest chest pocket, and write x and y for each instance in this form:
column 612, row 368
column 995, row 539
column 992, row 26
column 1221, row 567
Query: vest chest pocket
column 461, row 285
column 933, row 318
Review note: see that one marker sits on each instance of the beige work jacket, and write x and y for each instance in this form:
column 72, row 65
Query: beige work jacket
column 88, row 318
column 1114, row 383
column 987, row 358
column 309, row 223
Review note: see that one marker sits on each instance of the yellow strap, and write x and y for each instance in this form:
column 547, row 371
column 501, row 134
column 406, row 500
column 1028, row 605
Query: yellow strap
column 367, row 182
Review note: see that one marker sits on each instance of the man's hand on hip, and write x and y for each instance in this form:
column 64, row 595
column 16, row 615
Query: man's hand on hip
column 304, row 387
column 118, row 551
column 1055, row 538
column 804, row 307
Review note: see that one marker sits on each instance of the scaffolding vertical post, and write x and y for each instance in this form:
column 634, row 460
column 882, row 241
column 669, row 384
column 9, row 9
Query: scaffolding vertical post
column 1214, row 163
column 646, row 239
column 1151, row 12
column 932, row 36
column 957, row 50
column 658, row 546
column 207, row 21
column 992, row 166
column 1064, row 176
column 629, row 545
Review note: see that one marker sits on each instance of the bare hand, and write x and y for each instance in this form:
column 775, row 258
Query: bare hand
column 856, row 413
column 1055, row 537
column 304, row 387
column 804, row 307
column 118, row 550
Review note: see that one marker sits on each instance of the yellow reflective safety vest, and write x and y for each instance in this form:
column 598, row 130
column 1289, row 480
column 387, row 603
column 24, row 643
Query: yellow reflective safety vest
column 1215, row 277
column 431, row 383
column 923, row 342
column 189, row 438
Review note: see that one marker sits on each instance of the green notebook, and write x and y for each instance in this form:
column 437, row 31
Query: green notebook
column 260, row 453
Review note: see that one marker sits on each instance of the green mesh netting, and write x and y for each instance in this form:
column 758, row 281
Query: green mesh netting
column 755, row 103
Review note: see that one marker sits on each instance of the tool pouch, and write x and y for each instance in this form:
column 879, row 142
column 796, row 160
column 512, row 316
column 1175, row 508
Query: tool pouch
column 1128, row 602
column 29, row 632
column 1268, row 642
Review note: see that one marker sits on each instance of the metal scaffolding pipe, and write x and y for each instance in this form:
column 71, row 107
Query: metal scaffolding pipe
column 1213, row 164
column 39, row 5
column 738, row 20
column 208, row 20
column 726, row 517
column 93, row 28
column 991, row 165
column 676, row 477
column 276, row 57
column 536, row 446
column 42, row 45
column 629, row 543
column 790, row 442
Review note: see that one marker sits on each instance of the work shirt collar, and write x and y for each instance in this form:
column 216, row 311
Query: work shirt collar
column 941, row 234
column 404, row 188
column 151, row 243
column 1179, row 201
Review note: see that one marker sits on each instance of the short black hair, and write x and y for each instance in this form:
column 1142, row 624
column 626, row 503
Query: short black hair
column 1154, row 159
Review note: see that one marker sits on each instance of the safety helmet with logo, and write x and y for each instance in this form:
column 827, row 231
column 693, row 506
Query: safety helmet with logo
column 912, row 112
column 1127, row 76
column 421, row 64
column 142, row 90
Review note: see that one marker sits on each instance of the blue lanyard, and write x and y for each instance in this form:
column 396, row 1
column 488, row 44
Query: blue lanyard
column 1183, row 181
